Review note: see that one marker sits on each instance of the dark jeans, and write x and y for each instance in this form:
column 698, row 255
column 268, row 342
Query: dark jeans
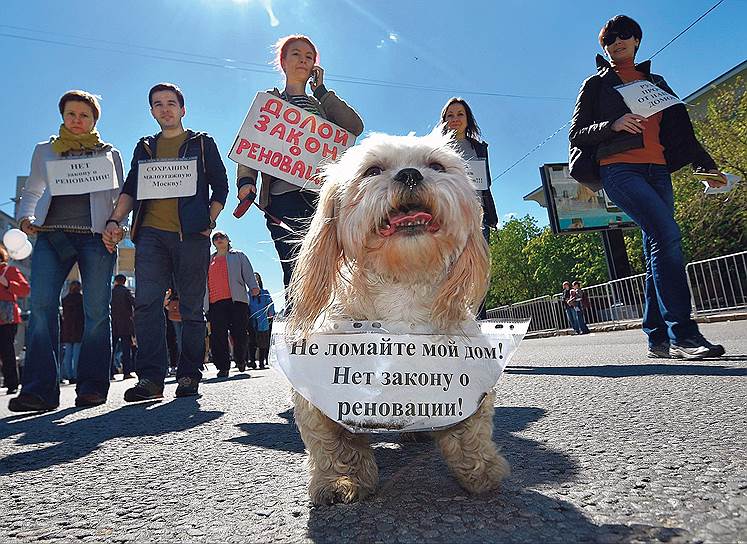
column 125, row 344
column 8, row 354
column 160, row 257
column 572, row 319
column 581, row 321
column 49, row 268
column 228, row 315
column 295, row 209
column 644, row 192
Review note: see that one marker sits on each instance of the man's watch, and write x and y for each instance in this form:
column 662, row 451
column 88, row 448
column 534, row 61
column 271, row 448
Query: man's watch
column 213, row 224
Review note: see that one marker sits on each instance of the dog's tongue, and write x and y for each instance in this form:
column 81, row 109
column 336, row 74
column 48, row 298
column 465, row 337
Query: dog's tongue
column 398, row 219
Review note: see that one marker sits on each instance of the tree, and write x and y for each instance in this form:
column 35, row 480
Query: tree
column 510, row 272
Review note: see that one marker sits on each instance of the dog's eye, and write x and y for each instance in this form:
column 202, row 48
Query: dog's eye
column 373, row 171
column 437, row 166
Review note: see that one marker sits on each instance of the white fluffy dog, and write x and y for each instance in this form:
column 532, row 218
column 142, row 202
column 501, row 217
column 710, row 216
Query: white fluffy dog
column 396, row 237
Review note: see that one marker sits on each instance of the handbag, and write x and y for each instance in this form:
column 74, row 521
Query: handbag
column 583, row 167
column 7, row 308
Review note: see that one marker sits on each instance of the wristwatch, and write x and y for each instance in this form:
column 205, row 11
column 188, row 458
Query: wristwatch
column 212, row 225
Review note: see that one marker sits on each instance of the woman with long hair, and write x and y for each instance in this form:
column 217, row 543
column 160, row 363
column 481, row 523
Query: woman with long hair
column 457, row 118
column 298, row 59
column 13, row 285
column 67, row 220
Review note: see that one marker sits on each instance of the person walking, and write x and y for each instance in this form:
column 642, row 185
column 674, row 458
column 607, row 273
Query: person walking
column 13, row 285
column 123, row 326
column 171, row 229
column 71, row 334
column 297, row 58
column 230, row 274
column 631, row 156
column 458, row 119
column 68, row 222
column 261, row 314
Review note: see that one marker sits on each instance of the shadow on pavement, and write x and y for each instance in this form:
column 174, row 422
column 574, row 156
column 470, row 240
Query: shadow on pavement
column 276, row 436
column 78, row 438
column 418, row 500
column 626, row 371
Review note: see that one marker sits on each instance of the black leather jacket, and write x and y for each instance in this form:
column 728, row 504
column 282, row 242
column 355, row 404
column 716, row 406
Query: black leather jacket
column 599, row 105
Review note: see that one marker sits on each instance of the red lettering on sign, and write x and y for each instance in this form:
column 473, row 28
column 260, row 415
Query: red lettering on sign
column 273, row 106
column 325, row 131
column 276, row 158
column 293, row 137
column 341, row 137
column 292, row 116
column 329, row 151
column 278, row 130
column 285, row 164
column 309, row 120
column 243, row 144
column 262, row 122
column 312, row 145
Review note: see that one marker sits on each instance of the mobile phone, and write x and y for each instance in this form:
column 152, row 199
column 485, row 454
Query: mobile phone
column 314, row 76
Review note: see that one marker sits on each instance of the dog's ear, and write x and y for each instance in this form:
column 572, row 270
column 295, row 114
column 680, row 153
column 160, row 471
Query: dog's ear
column 318, row 265
column 466, row 283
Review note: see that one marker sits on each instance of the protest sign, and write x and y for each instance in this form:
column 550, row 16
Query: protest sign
column 374, row 377
column 166, row 178
column 478, row 173
column 81, row 175
column 644, row 98
column 287, row 142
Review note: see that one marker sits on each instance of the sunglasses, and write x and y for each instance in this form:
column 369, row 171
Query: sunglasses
column 611, row 37
column 219, row 237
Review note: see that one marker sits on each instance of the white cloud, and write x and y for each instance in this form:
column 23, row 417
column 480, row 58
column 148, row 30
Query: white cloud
column 394, row 37
column 380, row 44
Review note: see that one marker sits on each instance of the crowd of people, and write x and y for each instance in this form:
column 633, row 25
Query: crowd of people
column 178, row 278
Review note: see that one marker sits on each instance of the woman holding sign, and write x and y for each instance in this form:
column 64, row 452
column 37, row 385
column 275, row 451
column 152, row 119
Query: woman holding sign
column 458, row 119
column 624, row 140
column 283, row 201
column 74, row 182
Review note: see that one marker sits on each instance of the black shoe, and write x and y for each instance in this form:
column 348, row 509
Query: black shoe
column 658, row 351
column 187, row 387
column 714, row 350
column 26, row 402
column 12, row 390
column 689, row 349
column 144, row 390
column 253, row 366
column 89, row 399
column 242, row 367
column 223, row 373
column 262, row 366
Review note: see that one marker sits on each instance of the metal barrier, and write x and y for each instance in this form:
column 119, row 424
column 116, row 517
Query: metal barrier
column 716, row 285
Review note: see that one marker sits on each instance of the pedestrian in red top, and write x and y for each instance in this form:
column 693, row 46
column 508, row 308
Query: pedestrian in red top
column 12, row 287
column 229, row 275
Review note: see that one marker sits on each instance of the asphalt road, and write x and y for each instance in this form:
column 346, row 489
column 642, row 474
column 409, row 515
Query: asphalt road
column 605, row 446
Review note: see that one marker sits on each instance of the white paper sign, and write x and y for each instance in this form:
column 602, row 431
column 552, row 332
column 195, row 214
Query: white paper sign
column 371, row 377
column 644, row 98
column 731, row 182
column 478, row 173
column 166, row 178
column 81, row 175
column 287, row 142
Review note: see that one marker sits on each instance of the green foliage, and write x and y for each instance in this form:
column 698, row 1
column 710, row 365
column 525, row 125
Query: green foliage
column 716, row 225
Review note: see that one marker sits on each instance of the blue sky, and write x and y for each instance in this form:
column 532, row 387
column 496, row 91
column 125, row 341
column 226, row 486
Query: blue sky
column 396, row 62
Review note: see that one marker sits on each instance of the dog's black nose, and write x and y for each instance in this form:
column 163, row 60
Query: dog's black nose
column 411, row 177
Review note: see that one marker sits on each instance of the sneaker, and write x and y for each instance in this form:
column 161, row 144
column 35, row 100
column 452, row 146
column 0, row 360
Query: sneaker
column 12, row 390
column 689, row 349
column 86, row 400
column 144, row 390
column 714, row 350
column 223, row 373
column 26, row 402
column 128, row 376
column 253, row 365
column 658, row 351
column 187, row 387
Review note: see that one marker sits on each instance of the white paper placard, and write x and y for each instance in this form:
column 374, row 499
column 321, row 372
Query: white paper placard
column 478, row 173
column 731, row 182
column 81, row 175
column 644, row 98
column 166, row 178
column 377, row 378
column 287, row 142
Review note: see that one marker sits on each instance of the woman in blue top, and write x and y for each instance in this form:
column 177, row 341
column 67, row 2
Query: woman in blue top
column 261, row 313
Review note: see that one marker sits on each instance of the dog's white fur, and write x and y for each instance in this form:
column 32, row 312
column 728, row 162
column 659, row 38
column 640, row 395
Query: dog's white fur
column 346, row 268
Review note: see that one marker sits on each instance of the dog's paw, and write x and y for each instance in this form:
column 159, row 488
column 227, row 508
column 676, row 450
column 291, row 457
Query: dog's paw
column 486, row 477
column 342, row 489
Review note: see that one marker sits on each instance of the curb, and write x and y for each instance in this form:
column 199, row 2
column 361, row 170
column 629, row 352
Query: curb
column 630, row 325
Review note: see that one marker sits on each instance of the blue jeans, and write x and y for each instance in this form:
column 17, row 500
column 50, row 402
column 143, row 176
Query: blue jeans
column 644, row 192
column 160, row 257
column 581, row 321
column 70, row 358
column 572, row 320
column 49, row 268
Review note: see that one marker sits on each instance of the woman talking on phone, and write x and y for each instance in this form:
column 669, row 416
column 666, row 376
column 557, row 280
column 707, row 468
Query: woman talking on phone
column 298, row 59
column 631, row 156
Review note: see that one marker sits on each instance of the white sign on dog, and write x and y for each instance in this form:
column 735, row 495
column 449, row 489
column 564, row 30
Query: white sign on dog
column 371, row 377
column 166, row 178
column 478, row 173
column 644, row 98
column 81, row 175
column 287, row 142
